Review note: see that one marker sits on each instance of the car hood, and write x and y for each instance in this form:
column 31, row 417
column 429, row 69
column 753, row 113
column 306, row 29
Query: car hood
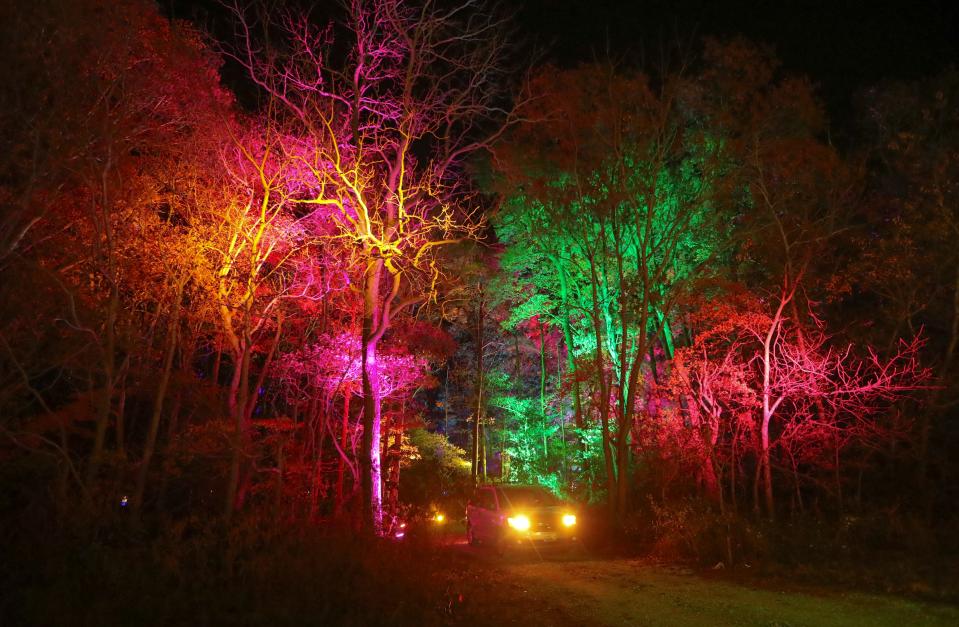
column 543, row 511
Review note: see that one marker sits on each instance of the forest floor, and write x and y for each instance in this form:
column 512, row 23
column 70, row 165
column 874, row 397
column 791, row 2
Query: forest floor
column 578, row 589
column 279, row 578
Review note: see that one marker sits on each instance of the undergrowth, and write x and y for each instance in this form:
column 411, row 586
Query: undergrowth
column 253, row 573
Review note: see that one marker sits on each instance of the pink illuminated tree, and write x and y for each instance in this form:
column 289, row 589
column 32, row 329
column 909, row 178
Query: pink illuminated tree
column 330, row 369
column 379, row 139
column 792, row 386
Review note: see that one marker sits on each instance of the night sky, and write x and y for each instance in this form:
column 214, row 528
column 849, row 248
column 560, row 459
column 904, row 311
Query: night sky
column 842, row 46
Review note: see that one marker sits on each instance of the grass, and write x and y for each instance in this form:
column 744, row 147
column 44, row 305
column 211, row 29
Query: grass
column 259, row 573
column 635, row 592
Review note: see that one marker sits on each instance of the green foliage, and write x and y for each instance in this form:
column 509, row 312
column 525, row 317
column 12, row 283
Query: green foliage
column 531, row 442
column 616, row 233
column 588, row 476
column 522, row 311
column 440, row 471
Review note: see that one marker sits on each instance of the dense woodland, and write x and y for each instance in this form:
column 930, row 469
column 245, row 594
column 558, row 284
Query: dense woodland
column 387, row 259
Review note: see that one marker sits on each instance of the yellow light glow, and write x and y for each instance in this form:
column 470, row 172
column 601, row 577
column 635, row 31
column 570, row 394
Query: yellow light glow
column 569, row 520
column 439, row 518
column 519, row 523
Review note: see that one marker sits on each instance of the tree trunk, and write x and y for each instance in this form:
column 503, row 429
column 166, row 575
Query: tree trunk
column 248, row 406
column 280, row 467
column 216, row 362
column 767, row 467
column 158, row 400
column 372, row 485
column 604, row 392
column 105, row 398
column 623, row 437
column 480, row 380
column 562, row 417
column 165, row 466
column 102, row 222
column 770, row 405
column 483, row 444
column 568, row 339
column 341, row 465
column 542, row 387
column 120, row 416
column 236, row 402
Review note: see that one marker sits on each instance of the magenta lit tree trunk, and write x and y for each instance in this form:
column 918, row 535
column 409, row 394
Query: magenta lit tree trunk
column 371, row 471
column 341, row 461
column 769, row 403
column 370, row 456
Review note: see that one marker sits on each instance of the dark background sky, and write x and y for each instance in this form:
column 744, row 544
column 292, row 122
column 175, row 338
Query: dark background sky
column 841, row 45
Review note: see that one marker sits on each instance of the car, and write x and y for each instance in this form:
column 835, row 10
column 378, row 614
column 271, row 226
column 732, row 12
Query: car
column 506, row 516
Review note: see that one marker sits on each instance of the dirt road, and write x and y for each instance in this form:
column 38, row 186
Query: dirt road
column 569, row 590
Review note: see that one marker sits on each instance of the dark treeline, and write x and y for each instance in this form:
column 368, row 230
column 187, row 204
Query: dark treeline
column 411, row 266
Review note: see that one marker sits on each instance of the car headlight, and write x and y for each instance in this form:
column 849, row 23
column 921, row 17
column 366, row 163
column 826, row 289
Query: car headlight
column 569, row 520
column 519, row 523
column 439, row 518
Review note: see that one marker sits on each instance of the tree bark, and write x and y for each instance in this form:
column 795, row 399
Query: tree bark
column 568, row 339
column 341, row 462
column 371, row 474
column 480, row 380
column 159, row 398
column 542, row 387
column 604, row 393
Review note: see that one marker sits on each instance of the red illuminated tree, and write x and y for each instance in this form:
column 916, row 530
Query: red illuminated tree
column 792, row 385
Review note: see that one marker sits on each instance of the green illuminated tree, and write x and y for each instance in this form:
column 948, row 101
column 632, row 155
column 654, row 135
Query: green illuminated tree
column 616, row 179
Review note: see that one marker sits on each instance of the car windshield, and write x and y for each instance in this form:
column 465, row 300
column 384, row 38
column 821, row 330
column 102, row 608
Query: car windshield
column 527, row 497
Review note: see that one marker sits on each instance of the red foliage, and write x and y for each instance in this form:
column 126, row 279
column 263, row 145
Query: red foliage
column 756, row 382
